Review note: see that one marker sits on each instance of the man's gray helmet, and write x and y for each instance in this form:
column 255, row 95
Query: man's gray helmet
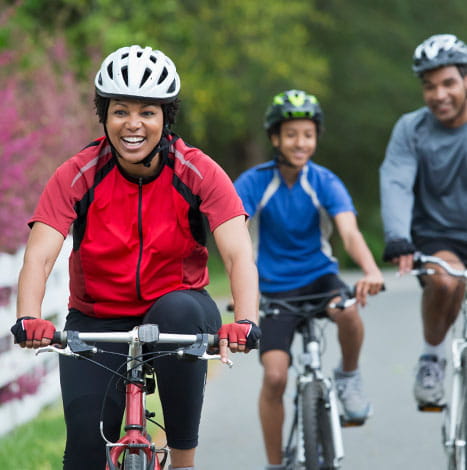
column 137, row 73
column 437, row 51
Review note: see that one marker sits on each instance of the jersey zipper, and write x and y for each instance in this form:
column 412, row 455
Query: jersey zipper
column 140, row 234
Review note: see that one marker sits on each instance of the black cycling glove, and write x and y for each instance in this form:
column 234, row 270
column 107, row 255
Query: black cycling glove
column 398, row 247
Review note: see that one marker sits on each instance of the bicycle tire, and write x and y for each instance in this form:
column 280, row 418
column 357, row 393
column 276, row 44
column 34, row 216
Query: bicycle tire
column 317, row 428
column 461, row 451
column 133, row 462
column 458, row 458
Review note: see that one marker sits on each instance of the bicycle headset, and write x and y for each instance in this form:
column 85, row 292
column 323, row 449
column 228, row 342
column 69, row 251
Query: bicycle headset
column 139, row 74
column 437, row 51
column 288, row 105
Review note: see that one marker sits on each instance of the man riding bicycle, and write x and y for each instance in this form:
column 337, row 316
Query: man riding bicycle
column 423, row 191
column 138, row 200
column 294, row 203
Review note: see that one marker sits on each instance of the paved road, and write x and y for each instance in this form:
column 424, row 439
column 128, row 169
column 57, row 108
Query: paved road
column 396, row 437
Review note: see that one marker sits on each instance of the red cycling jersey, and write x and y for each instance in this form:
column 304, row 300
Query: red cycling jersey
column 134, row 240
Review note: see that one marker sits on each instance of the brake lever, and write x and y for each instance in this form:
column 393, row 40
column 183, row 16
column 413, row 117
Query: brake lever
column 56, row 349
column 205, row 356
column 343, row 304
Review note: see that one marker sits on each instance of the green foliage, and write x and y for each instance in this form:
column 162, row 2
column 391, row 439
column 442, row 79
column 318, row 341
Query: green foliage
column 233, row 56
column 223, row 54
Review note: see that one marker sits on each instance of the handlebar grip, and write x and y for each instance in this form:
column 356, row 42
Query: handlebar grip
column 59, row 338
column 213, row 340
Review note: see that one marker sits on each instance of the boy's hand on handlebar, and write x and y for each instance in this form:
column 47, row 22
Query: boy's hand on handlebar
column 371, row 284
column 32, row 332
column 240, row 336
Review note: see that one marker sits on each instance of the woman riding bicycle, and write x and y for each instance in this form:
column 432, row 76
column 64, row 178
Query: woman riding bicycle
column 294, row 202
column 137, row 199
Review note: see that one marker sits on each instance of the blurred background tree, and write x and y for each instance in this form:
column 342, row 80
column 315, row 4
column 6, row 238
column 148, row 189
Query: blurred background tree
column 232, row 57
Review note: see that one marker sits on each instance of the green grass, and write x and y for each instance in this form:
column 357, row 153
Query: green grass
column 39, row 444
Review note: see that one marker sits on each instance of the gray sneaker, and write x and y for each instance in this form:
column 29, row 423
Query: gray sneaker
column 429, row 380
column 349, row 387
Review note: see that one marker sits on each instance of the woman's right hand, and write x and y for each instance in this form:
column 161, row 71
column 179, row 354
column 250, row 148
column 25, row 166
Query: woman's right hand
column 33, row 332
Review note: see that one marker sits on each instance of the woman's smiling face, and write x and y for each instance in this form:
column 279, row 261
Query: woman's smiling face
column 134, row 128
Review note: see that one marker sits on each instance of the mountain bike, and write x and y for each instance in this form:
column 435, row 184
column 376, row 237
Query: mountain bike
column 315, row 438
column 454, row 428
column 135, row 449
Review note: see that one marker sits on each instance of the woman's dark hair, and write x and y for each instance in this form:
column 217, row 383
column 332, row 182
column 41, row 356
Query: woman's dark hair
column 169, row 109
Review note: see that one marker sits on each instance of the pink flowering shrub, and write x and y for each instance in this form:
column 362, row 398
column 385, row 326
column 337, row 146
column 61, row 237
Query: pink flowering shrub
column 44, row 120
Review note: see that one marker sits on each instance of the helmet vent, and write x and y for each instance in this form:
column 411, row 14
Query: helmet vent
column 125, row 74
column 147, row 74
column 163, row 76
column 110, row 71
column 172, row 87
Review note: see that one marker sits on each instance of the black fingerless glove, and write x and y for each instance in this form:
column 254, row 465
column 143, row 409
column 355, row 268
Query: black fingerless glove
column 398, row 247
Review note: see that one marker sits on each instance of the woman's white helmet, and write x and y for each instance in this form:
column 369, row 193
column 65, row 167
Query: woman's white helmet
column 437, row 51
column 134, row 72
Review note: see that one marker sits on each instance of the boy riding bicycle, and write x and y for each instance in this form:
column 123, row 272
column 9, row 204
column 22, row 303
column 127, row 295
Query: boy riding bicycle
column 423, row 191
column 294, row 202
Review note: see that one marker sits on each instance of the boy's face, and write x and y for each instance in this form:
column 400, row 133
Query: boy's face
column 296, row 141
column 445, row 93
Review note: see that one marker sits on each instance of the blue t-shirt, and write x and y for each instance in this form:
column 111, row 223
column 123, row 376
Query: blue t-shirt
column 292, row 226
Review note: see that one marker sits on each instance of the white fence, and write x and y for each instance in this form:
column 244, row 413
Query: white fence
column 28, row 382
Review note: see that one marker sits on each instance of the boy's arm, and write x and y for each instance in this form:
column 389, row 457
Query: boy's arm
column 356, row 247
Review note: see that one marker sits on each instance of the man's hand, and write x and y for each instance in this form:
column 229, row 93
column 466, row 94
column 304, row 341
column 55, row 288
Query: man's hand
column 32, row 332
column 396, row 248
column 240, row 336
column 400, row 252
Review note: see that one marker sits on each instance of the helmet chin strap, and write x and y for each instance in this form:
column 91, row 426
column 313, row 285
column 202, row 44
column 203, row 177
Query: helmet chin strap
column 163, row 144
column 281, row 160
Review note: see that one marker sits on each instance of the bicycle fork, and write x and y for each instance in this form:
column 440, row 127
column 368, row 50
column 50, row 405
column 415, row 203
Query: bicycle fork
column 134, row 439
column 311, row 360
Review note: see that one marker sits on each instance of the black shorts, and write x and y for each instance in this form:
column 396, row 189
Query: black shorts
column 429, row 246
column 278, row 331
column 85, row 387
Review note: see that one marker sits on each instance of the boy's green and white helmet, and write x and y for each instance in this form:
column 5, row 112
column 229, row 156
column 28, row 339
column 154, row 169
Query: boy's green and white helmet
column 438, row 51
column 293, row 104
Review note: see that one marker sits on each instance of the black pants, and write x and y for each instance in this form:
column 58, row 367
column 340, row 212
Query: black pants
column 180, row 383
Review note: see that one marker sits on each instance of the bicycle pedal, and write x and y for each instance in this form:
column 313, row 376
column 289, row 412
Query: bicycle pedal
column 351, row 423
column 431, row 407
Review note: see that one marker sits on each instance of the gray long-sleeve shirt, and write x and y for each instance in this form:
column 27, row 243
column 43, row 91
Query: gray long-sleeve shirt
column 423, row 179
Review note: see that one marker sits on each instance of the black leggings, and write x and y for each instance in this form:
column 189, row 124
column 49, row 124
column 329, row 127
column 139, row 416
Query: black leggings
column 180, row 383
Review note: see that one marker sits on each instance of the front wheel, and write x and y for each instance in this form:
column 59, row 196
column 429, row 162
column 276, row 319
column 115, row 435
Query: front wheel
column 317, row 427
column 461, row 454
column 134, row 462
column 457, row 456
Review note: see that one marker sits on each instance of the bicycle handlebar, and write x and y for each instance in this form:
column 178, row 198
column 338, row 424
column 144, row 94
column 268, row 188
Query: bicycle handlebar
column 74, row 343
column 308, row 305
column 147, row 333
column 421, row 259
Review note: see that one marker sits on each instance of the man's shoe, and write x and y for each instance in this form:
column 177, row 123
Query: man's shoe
column 355, row 405
column 429, row 381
